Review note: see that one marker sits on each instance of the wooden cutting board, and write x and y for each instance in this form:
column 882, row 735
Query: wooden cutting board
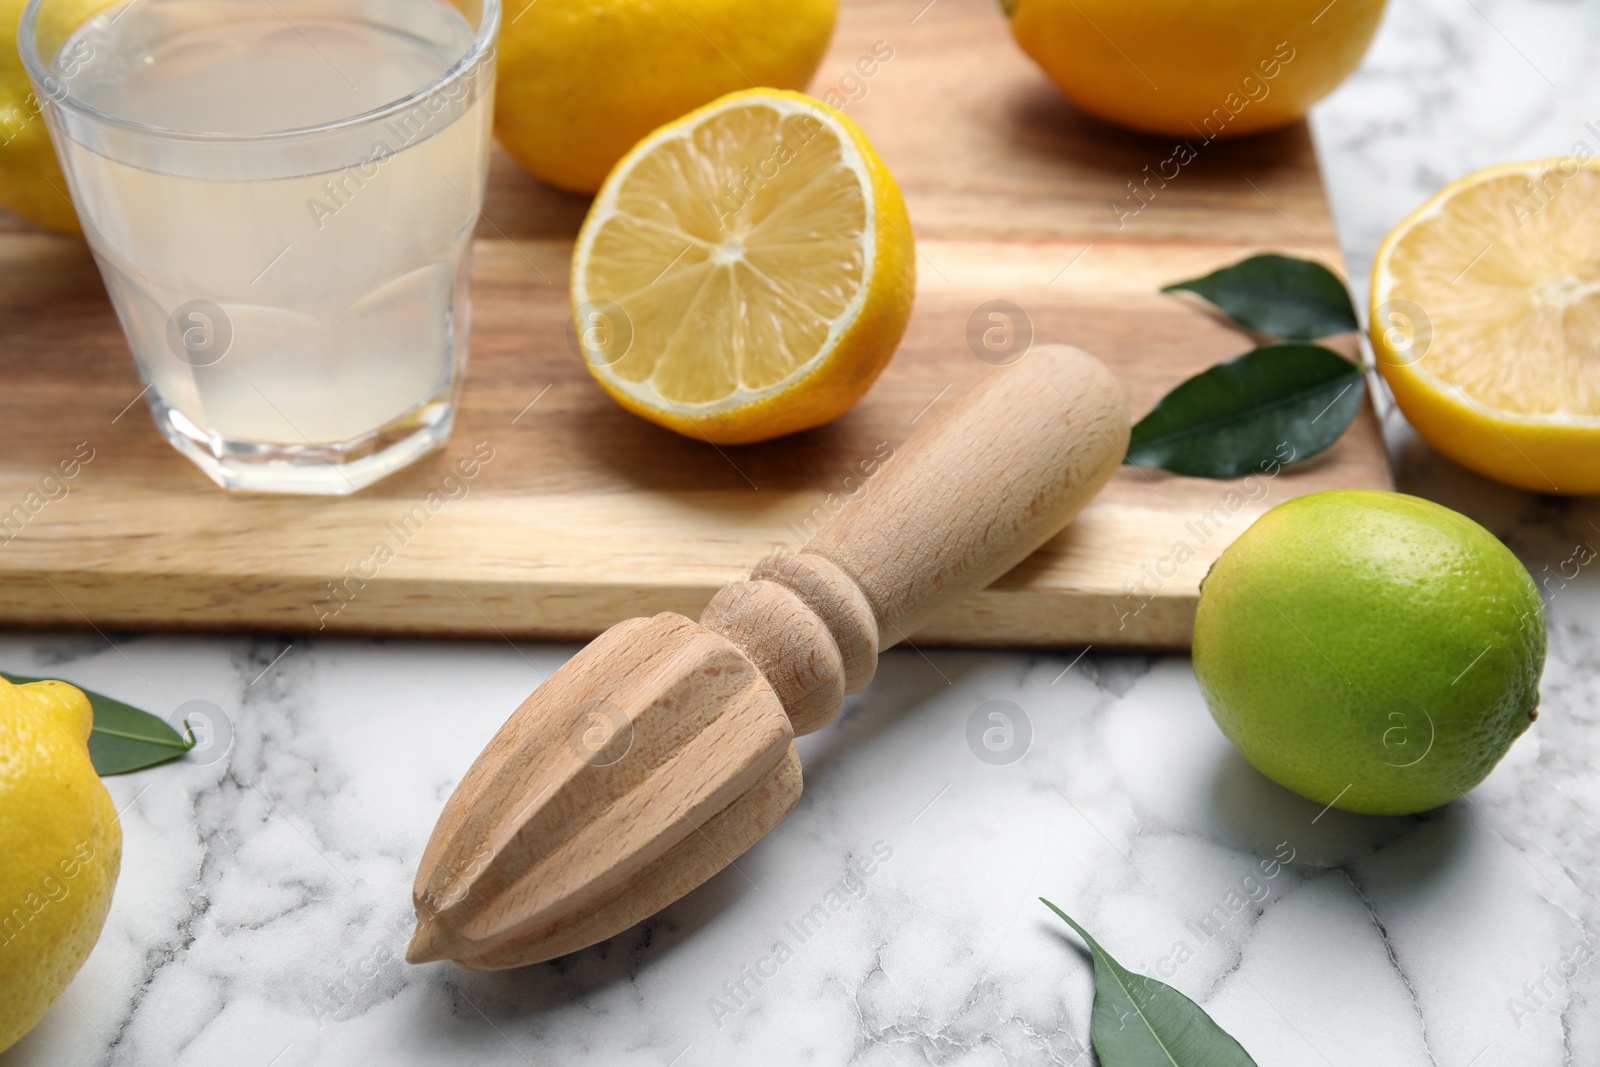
column 586, row 515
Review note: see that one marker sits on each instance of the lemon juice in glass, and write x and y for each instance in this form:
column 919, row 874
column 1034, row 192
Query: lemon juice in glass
column 280, row 195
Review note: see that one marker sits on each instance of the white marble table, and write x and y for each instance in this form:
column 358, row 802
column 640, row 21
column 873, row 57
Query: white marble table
column 263, row 903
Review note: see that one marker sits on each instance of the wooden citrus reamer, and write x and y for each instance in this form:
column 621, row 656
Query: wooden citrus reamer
column 664, row 749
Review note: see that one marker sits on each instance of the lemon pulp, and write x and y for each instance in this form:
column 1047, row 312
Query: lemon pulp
column 1486, row 322
column 756, row 258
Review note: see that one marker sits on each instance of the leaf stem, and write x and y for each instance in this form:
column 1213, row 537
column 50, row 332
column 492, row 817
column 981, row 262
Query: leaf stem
column 179, row 744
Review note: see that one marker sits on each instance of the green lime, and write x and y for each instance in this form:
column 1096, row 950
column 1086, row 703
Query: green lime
column 1370, row 650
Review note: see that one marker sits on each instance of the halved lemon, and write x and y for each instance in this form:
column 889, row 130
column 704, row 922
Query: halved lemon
column 1486, row 322
column 745, row 271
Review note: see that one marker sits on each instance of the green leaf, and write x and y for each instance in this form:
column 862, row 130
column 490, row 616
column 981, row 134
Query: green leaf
column 124, row 739
column 1290, row 298
column 1139, row 1022
column 1265, row 409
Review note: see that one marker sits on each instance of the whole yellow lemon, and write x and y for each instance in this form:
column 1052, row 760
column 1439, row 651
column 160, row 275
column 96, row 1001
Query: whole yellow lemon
column 580, row 82
column 1195, row 68
column 60, row 849
column 31, row 182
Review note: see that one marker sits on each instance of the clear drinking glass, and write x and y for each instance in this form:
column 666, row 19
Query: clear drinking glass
column 280, row 195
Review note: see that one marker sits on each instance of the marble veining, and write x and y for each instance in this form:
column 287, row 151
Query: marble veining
column 264, row 900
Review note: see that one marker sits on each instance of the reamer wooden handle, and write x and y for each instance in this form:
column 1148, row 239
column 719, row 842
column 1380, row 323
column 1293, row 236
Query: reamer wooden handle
column 665, row 748
column 1000, row 471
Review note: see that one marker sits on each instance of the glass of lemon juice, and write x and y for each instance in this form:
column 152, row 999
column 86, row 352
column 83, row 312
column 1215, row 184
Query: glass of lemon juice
column 280, row 195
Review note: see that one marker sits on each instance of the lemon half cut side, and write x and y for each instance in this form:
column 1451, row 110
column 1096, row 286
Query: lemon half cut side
column 745, row 271
column 1486, row 322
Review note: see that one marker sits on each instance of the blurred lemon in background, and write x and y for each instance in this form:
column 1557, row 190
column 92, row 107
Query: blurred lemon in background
column 746, row 271
column 580, row 82
column 60, row 849
column 1195, row 70
column 1486, row 322
column 31, row 182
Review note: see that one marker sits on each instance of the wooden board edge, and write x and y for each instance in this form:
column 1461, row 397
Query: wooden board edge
column 994, row 618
